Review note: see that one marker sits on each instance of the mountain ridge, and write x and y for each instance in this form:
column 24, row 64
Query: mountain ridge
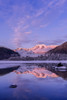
column 57, row 53
column 35, row 51
column 6, row 53
column 61, row 49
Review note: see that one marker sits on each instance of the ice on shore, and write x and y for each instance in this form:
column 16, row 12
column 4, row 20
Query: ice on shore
column 5, row 64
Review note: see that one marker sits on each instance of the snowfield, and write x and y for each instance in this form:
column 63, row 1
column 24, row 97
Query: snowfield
column 21, row 62
column 7, row 64
column 35, row 51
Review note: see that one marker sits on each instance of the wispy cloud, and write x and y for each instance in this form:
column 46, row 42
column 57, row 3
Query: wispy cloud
column 22, row 16
column 44, row 25
column 60, row 3
column 28, row 32
column 20, row 35
column 52, row 42
column 35, row 19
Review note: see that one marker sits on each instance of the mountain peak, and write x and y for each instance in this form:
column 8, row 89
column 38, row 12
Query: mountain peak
column 39, row 46
column 42, row 48
column 34, row 51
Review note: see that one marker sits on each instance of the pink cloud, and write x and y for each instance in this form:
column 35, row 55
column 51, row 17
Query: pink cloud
column 28, row 32
column 27, row 16
column 39, row 12
column 60, row 3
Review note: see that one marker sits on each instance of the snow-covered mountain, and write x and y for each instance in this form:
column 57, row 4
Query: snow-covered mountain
column 25, row 52
column 41, row 48
column 34, row 51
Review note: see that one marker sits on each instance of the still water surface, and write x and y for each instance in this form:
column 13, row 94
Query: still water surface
column 34, row 82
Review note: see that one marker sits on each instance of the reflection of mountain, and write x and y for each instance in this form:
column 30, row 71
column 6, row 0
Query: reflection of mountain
column 59, row 73
column 62, row 74
column 42, row 70
column 38, row 72
column 4, row 71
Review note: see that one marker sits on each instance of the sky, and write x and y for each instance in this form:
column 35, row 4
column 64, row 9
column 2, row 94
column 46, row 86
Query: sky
column 26, row 23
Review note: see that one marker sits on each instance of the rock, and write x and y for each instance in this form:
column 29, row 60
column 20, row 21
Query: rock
column 13, row 86
column 59, row 65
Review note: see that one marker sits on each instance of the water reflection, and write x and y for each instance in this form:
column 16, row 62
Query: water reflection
column 34, row 82
column 38, row 72
column 4, row 71
column 41, row 70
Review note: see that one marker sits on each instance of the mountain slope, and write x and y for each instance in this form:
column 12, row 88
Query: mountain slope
column 62, row 49
column 41, row 48
column 25, row 52
column 34, row 51
column 6, row 53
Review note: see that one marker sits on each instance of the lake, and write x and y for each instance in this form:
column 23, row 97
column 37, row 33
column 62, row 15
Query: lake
column 33, row 82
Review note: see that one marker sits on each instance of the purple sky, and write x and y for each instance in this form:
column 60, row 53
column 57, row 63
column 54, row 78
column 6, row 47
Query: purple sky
column 25, row 23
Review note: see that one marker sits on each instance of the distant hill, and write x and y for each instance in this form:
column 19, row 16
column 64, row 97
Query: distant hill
column 39, row 52
column 58, row 53
column 6, row 53
column 61, row 49
column 35, row 51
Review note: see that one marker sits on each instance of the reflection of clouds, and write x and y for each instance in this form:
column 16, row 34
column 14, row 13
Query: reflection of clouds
column 29, row 88
column 38, row 72
column 22, row 90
